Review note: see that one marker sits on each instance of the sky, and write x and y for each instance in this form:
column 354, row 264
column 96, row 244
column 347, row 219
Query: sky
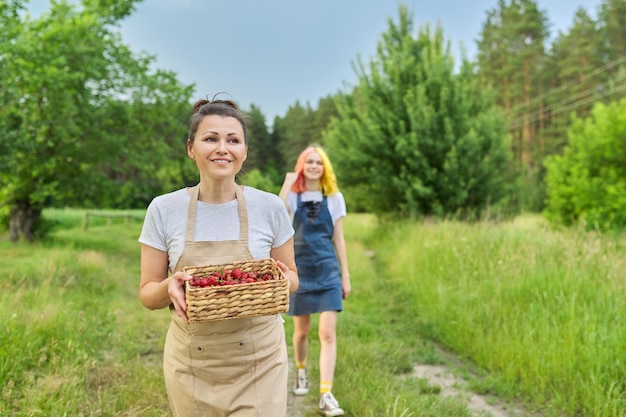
column 274, row 53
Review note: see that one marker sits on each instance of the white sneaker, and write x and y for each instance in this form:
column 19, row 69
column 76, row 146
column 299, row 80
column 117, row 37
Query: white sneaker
column 302, row 383
column 329, row 405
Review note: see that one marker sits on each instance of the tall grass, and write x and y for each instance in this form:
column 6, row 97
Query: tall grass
column 75, row 341
column 539, row 312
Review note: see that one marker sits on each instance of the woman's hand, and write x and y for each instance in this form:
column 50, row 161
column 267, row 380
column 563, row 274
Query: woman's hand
column 176, row 291
column 290, row 274
column 285, row 270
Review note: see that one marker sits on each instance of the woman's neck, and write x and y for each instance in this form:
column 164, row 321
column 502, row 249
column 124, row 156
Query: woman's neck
column 217, row 192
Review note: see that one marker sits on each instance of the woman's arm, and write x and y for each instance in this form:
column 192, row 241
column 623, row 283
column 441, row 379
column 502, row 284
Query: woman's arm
column 156, row 289
column 285, row 259
column 342, row 255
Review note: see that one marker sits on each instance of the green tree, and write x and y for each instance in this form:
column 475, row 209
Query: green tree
column 612, row 29
column 512, row 59
column 260, row 150
column 575, row 70
column 612, row 19
column 325, row 112
column 587, row 183
column 511, row 56
column 146, row 137
column 294, row 132
column 79, row 110
column 416, row 138
column 263, row 168
column 263, row 181
column 302, row 126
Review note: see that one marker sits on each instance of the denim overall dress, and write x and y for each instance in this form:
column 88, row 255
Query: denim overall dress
column 234, row 368
column 318, row 267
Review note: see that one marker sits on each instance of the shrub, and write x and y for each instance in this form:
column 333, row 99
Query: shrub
column 587, row 183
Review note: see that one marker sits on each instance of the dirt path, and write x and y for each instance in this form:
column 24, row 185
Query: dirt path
column 436, row 375
column 297, row 406
column 452, row 386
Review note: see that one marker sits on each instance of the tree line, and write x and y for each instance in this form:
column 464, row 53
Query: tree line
column 84, row 122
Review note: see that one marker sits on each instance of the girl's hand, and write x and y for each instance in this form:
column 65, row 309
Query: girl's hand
column 346, row 287
column 290, row 178
column 176, row 291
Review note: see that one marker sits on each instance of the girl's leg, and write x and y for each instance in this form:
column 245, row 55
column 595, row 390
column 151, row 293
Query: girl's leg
column 328, row 353
column 301, row 326
column 300, row 339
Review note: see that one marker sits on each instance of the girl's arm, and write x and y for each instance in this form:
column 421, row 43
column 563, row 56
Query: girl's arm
column 290, row 178
column 342, row 255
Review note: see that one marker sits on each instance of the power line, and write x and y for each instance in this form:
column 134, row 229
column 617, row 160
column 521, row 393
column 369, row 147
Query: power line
column 555, row 109
column 555, row 90
column 586, row 92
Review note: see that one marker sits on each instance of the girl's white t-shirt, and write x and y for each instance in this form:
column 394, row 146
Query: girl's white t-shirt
column 336, row 203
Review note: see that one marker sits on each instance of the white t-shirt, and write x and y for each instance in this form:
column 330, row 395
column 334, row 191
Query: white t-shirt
column 165, row 223
column 336, row 203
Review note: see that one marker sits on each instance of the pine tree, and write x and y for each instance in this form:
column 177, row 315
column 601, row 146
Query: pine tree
column 415, row 138
column 511, row 57
column 612, row 17
column 576, row 70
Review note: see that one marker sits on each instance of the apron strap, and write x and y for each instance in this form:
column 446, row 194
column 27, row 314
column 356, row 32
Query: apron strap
column 243, row 213
column 191, row 213
column 241, row 205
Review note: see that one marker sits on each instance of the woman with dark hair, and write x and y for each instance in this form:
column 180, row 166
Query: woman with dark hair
column 318, row 209
column 235, row 367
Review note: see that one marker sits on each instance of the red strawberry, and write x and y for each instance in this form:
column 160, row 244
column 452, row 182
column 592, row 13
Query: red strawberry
column 236, row 273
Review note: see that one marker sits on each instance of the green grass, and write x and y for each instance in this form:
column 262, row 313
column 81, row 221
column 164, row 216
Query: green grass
column 536, row 315
column 540, row 311
column 76, row 340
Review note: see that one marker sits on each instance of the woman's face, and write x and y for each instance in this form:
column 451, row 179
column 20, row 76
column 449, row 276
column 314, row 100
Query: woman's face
column 219, row 147
column 313, row 167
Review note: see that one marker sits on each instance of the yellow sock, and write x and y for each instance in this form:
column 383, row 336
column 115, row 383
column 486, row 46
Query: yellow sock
column 325, row 386
column 301, row 364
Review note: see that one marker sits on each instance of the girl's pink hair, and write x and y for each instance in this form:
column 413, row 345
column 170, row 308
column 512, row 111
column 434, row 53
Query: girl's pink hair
column 328, row 182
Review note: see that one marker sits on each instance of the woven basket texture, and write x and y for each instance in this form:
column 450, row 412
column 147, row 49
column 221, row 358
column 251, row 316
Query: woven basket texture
column 227, row 302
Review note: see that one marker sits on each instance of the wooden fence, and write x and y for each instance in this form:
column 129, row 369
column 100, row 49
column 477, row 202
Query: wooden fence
column 110, row 217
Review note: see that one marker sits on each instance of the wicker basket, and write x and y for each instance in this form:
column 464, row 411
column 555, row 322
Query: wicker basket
column 261, row 298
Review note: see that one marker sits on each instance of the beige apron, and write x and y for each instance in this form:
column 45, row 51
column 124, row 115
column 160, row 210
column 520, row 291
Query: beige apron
column 234, row 368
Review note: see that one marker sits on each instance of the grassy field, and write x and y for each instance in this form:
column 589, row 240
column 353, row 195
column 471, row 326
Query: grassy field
column 541, row 312
column 536, row 315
